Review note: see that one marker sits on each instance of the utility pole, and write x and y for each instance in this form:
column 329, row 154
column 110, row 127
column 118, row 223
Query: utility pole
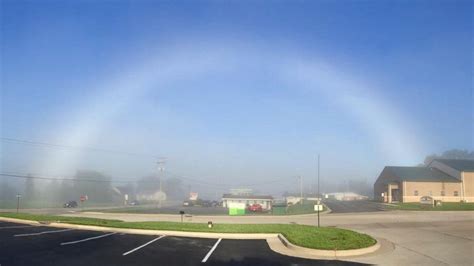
column 319, row 195
column 161, row 168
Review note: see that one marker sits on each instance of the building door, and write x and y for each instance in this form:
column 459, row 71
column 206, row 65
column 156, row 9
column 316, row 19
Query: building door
column 395, row 195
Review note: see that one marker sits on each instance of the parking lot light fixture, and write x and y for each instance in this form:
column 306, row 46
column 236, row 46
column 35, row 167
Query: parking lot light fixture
column 18, row 196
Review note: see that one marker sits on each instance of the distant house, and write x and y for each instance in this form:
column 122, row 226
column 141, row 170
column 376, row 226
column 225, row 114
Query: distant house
column 450, row 180
column 346, row 196
column 264, row 200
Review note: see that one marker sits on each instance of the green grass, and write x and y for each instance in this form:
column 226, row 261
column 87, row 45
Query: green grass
column 328, row 238
column 446, row 206
column 306, row 208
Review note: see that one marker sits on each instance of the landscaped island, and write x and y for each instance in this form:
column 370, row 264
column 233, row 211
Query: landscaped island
column 326, row 238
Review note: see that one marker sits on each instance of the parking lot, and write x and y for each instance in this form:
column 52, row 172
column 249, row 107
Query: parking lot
column 40, row 245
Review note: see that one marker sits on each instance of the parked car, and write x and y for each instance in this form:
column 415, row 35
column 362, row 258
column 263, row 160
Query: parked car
column 187, row 203
column 70, row 204
column 206, row 203
column 134, row 203
column 255, row 208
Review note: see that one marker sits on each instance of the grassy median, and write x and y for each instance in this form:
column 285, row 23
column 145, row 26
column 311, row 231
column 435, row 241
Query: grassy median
column 327, row 238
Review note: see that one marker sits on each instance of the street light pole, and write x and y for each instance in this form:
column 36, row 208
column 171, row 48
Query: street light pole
column 18, row 196
column 319, row 195
column 161, row 168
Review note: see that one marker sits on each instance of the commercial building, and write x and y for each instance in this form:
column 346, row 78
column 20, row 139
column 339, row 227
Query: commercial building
column 449, row 180
column 264, row 200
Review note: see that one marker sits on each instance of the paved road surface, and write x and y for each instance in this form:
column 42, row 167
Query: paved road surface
column 39, row 245
column 354, row 206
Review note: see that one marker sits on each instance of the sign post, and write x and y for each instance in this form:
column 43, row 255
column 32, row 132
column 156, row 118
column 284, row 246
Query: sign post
column 18, row 196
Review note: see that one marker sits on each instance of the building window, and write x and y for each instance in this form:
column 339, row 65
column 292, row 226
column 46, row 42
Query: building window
column 416, row 193
column 456, row 193
column 442, row 193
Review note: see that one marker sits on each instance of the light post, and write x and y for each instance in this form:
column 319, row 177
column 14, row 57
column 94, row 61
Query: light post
column 18, row 196
column 319, row 195
column 161, row 167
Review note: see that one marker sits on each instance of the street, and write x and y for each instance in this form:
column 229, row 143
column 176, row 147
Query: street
column 337, row 206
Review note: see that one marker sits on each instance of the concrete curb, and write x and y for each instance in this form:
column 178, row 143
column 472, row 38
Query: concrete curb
column 277, row 242
column 318, row 253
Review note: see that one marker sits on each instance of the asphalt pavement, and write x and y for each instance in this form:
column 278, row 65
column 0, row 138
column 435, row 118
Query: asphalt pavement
column 41, row 245
column 354, row 206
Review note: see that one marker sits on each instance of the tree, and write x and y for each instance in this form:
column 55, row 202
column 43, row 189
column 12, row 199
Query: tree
column 30, row 192
column 148, row 185
column 95, row 185
column 173, row 187
column 7, row 192
column 450, row 154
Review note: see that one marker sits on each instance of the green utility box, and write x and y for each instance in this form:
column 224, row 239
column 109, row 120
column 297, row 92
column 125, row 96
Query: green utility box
column 236, row 208
column 236, row 211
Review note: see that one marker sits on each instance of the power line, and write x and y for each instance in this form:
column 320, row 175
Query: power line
column 93, row 149
column 72, row 179
column 60, row 178
column 78, row 148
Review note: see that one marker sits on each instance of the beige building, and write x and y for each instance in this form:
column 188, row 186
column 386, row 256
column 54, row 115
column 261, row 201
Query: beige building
column 448, row 180
column 265, row 201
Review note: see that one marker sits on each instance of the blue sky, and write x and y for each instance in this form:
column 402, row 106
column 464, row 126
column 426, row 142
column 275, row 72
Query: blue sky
column 235, row 91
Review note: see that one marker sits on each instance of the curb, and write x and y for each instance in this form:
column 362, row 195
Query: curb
column 318, row 253
column 277, row 242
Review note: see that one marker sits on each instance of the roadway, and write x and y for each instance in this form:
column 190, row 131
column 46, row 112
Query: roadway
column 337, row 206
column 39, row 245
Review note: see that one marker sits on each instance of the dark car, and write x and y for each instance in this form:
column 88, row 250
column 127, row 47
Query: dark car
column 206, row 203
column 70, row 204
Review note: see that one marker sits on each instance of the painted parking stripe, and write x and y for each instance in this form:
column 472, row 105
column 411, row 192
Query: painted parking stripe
column 146, row 244
column 212, row 250
column 87, row 239
column 45, row 232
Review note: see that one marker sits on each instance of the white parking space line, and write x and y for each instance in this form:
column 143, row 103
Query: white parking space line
column 45, row 232
column 87, row 239
column 212, row 250
column 146, row 244
column 16, row 226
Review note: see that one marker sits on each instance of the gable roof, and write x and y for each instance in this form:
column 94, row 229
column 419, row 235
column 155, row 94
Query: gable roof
column 463, row 165
column 231, row 196
column 410, row 173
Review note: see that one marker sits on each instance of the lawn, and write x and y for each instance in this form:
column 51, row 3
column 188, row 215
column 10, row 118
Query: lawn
column 327, row 238
column 306, row 208
column 446, row 206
